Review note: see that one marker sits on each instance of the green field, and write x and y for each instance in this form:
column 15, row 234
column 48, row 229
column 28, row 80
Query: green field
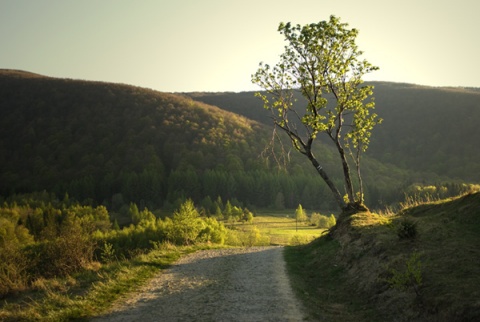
column 282, row 228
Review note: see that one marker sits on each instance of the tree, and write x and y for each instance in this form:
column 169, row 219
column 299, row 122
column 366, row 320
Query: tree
column 300, row 214
column 322, row 62
column 186, row 224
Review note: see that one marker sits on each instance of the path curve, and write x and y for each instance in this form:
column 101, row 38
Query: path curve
column 239, row 284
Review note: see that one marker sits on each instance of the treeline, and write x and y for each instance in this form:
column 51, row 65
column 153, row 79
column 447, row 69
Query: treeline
column 253, row 189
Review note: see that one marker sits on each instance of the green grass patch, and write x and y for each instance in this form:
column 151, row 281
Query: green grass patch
column 282, row 230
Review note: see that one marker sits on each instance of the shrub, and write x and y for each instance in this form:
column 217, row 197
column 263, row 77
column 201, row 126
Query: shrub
column 252, row 237
column 407, row 229
column 297, row 240
column 411, row 277
column 322, row 221
column 233, row 238
column 13, row 268
column 213, row 232
column 107, row 253
column 247, row 216
column 71, row 251
column 315, row 219
column 246, row 238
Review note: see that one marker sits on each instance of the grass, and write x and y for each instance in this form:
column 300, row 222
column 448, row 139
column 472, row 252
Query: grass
column 321, row 282
column 90, row 292
column 282, row 230
column 363, row 271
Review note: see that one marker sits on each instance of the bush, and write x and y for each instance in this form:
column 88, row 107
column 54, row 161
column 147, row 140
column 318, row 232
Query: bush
column 252, row 237
column 13, row 268
column 107, row 254
column 407, row 229
column 66, row 255
column 322, row 221
column 411, row 277
column 71, row 251
column 247, row 238
column 297, row 240
column 213, row 232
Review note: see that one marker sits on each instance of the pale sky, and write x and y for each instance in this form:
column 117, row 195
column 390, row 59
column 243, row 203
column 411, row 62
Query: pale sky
column 216, row 45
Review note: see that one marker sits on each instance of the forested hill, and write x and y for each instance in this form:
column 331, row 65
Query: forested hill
column 95, row 140
column 114, row 144
column 424, row 129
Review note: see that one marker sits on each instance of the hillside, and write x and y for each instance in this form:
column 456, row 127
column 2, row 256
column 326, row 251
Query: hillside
column 113, row 144
column 425, row 129
column 372, row 270
column 95, row 140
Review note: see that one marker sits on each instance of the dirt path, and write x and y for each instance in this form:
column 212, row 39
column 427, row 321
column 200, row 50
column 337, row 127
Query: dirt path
column 242, row 284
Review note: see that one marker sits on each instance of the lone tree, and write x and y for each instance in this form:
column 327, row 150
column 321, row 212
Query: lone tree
column 322, row 62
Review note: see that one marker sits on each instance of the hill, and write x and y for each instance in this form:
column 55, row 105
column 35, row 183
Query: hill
column 373, row 270
column 425, row 129
column 95, row 140
column 113, row 144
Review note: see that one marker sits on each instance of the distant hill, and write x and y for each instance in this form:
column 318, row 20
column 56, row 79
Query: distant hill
column 425, row 129
column 429, row 129
column 114, row 144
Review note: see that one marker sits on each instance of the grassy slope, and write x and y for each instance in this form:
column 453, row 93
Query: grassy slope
column 345, row 278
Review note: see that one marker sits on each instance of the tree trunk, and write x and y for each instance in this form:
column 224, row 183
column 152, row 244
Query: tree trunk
column 336, row 194
column 359, row 175
column 346, row 173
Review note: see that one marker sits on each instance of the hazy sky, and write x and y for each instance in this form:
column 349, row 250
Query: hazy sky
column 215, row 45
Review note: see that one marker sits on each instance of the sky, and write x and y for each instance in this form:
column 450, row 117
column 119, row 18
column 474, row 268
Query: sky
column 216, row 45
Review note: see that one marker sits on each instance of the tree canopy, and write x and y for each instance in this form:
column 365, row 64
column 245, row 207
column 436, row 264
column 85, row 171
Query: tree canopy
column 323, row 63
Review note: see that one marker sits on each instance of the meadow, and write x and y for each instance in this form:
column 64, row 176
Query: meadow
column 281, row 228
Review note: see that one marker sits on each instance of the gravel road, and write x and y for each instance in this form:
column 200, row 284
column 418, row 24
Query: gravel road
column 240, row 284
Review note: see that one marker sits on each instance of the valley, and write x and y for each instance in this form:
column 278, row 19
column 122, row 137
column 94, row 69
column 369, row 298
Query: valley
column 105, row 188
